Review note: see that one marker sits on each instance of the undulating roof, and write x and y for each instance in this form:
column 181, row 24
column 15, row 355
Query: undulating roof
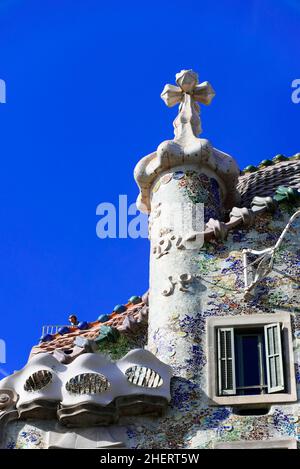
column 263, row 180
column 127, row 319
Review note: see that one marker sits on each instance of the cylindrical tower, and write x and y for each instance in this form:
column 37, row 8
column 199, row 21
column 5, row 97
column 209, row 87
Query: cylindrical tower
column 184, row 186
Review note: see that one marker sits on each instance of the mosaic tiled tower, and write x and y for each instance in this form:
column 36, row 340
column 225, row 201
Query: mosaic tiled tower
column 184, row 184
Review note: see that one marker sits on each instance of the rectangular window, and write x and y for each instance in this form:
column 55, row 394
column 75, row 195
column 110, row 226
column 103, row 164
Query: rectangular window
column 250, row 360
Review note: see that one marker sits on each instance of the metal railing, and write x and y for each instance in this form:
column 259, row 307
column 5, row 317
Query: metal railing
column 51, row 329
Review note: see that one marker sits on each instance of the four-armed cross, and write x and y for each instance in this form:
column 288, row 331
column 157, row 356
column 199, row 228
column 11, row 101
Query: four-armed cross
column 187, row 93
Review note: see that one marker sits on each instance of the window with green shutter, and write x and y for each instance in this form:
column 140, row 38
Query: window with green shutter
column 226, row 361
column 250, row 360
column 274, row 362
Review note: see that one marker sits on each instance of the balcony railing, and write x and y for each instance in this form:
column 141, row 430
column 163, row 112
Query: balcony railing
column 51, row 329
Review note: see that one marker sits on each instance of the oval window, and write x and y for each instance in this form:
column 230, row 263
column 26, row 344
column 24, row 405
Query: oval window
column 38, row 380
column 87, row 383
column 143, row 376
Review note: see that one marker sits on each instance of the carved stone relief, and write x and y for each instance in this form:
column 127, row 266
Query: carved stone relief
column 183, row 281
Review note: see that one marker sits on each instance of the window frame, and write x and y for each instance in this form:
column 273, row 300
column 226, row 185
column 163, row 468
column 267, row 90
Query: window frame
column 261, row 364
column 246, row 321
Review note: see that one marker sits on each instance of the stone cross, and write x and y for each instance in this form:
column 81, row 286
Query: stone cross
column 187, row 94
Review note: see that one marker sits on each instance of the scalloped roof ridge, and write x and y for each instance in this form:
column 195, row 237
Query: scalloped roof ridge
column 262, row 181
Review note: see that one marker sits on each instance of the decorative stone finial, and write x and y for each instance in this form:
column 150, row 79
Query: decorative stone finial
column 187, row 150
column 187, row 93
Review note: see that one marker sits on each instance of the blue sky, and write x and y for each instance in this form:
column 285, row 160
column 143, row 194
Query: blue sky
column 83, row 84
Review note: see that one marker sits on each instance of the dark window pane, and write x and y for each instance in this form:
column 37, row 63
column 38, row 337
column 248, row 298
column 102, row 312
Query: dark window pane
column 250, row 360
column 248, row 364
